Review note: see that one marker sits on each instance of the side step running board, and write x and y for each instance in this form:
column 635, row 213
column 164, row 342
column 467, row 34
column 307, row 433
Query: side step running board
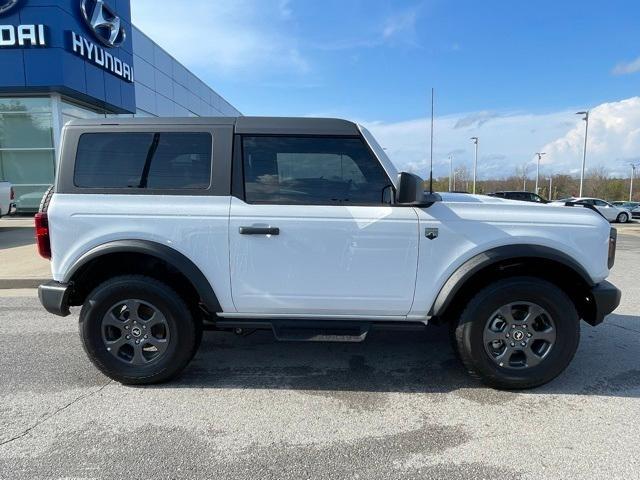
column 292, row 331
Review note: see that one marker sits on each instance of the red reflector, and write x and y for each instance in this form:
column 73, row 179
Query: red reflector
column 42, row 235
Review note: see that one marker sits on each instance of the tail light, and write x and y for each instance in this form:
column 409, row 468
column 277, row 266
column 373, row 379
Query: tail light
column 12, row 194
column 613, row 240
column 42, row 235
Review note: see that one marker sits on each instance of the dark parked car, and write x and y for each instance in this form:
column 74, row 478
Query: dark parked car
column 523, row 196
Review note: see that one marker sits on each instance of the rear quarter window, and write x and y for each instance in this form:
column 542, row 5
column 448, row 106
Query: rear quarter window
column 145, row 160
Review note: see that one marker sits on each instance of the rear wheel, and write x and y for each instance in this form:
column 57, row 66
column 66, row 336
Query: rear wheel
column 518, row 333
column 138, row 330
column 623, row 218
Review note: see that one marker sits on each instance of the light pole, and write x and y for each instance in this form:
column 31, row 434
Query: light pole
column 584, row 154
column 539, row 154
column 524, row 177
column 633, row 174
column 450, row 173
column 550, row 188
column 475, row 164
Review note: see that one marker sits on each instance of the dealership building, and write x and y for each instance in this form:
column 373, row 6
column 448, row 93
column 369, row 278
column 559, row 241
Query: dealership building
column 67, row 59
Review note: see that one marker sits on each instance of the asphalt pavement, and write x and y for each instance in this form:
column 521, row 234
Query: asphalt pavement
column 397, row 406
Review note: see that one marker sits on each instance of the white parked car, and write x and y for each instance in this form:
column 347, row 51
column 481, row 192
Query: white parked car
column 161, row 228
column 7, row 198
column 609, row 211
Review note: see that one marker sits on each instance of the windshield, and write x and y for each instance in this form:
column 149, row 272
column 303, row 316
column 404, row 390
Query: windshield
column 379, row 152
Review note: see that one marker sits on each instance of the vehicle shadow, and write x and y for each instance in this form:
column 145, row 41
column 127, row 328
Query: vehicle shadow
column 398, row 361
column 11, row 237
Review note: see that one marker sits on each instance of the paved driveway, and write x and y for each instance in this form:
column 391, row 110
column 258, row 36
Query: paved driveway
column 396, row 406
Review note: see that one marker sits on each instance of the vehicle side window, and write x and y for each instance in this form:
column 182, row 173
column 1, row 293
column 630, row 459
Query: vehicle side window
column 600, row 203
column 157, row 161
column 586, row 202
column 312, row 171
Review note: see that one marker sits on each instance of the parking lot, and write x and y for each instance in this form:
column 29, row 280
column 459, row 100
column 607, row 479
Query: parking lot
column 397, row 406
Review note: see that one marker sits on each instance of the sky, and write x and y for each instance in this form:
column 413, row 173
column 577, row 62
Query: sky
column 512, row 73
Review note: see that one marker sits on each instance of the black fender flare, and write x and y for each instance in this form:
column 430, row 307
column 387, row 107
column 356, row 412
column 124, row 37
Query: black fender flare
column 495, row 255
column 162, row 252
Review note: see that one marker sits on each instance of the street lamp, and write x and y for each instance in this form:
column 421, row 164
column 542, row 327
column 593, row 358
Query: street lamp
column 539, row 154
column 450, row 173
column 633, row 175
column 584, row 154
column 475, row 163
column 524, row 177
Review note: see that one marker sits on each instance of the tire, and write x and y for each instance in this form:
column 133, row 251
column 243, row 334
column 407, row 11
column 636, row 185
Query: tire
column 517, row 368
column 172, row 330
column 46, row 200
column 623, row 218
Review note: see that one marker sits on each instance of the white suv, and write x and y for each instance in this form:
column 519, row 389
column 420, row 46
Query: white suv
column 611, row 212
column 161, row 228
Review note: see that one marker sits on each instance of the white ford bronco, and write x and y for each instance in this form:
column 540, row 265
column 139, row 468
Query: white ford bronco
column 163, row 228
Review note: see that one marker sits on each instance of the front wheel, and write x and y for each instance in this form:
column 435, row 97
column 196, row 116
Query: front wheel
column 518, row 333
column 138, row 330
column 623, row 218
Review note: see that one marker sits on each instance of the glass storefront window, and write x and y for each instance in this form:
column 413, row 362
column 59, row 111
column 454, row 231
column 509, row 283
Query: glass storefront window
column 28, row 104
column 26, row 130
column 27, row 153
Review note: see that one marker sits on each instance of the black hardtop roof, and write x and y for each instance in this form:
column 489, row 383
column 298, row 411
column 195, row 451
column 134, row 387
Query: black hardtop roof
column 246, row 125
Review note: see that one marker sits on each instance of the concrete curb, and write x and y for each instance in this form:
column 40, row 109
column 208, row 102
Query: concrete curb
column 21, row 283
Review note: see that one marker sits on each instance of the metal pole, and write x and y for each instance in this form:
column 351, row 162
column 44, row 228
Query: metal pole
column 475, row 164
column 550, row 188
column 450, row 172
column 633, row 174
column 524, row 175
column 539, row 154
column 584, row 154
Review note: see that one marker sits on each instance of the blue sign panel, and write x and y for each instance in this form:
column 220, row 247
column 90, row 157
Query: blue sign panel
column 80, row 48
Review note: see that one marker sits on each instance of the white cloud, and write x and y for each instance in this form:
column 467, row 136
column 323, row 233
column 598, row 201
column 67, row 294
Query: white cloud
column 400, row 23
column 224, row 36
column 625, row 68
column 614, row 137
column 510, row 140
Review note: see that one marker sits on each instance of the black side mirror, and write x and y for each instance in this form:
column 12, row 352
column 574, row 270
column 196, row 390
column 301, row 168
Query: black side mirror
column 411, row 191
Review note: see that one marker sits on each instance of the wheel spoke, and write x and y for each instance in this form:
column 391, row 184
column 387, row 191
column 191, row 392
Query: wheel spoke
column 492, row 335
column 138, row 357
column 133, row 307
column 548, row 335
column 506, row 312
column 110, row 320
column 160, row 344
column 114, row 345
column 534, row 312
column 532, row 359
column 156, row 319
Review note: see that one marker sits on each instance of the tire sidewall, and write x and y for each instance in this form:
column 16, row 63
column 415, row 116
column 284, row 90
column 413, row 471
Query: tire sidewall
column 179, row 321
column 623, row 218
column 536, row 291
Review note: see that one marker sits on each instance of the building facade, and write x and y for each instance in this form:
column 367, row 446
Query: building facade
column 67, row 59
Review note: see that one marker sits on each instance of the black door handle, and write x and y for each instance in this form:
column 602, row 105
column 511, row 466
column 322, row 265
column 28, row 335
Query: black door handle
column 259, row 231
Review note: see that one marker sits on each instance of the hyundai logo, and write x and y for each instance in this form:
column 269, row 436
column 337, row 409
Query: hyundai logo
column 6, row 5
column 104, row 22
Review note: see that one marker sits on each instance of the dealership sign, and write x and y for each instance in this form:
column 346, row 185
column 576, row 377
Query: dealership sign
column 107, row 28
column 100, row 57
column 20, row 35
column 99, row 17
